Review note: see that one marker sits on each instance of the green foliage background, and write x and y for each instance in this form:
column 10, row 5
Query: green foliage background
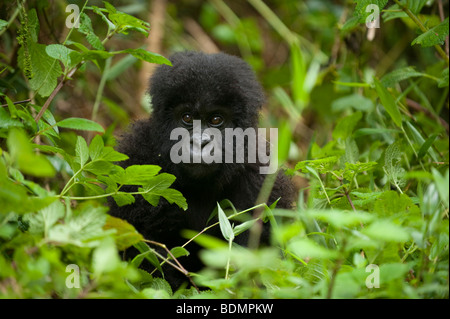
column 363, row 130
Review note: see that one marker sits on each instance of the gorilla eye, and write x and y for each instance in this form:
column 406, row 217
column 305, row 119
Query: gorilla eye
column 216, row 120
column 187, row 118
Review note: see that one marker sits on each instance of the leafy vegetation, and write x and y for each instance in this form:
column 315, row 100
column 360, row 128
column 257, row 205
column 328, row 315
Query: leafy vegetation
column 363, row 130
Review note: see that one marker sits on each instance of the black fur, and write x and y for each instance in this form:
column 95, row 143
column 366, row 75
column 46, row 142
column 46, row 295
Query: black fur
column 201, row 81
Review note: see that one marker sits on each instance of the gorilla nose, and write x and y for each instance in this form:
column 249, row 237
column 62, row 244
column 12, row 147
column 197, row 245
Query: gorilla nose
column 201, row 139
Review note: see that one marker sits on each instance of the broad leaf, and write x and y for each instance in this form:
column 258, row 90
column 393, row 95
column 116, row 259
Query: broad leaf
column 76, row 123
column 434, row 36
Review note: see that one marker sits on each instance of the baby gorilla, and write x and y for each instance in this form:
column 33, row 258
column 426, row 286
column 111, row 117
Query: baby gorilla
column 221, row 91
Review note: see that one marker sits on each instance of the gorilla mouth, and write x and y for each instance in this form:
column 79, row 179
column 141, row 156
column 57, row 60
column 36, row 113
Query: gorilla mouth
column 200, row 170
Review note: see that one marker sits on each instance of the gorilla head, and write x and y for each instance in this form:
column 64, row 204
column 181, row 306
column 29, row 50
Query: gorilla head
column 217, row 90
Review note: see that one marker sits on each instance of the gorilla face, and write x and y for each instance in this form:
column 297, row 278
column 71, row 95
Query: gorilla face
column 204, row 94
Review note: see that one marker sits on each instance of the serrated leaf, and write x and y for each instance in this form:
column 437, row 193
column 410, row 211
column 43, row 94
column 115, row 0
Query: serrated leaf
column 323, row 165
column 82, row 151
column 45, row 69
column 100, row 167
column 136, row 174
column 96, row 147
column 158, row 186
column 361, row 6
column 123, row 199
column 392, row 78
column 83, row 228
column 434, row 36
column 76, row 123
column 109, row 154
column 388, row 101
column 86, row 29
column 44, row 219
column 125, row 22
column 392, row 167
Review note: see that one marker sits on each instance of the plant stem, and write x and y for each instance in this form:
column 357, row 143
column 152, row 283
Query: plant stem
column 422, row 28
column 229, row 217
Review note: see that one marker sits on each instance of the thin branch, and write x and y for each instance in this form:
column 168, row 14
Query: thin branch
column 17, row 102
column 55, row 91
column 180, row 267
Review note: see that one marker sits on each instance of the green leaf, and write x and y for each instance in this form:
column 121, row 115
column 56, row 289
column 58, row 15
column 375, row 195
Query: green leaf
column 147, row 56
column 82, row 151
column 307, row 248
column 68, row 57
column 126, row 235
column 109, row 154
column 76, row 123
column 388, row 101
column 125, row 22
column 443, row 81
column 392, row 166
column 96, row 147
column 225, row 225
column 442, row 185
column 86, row 29
column 426, row 145
column 44, row 219
column 100, row 167
column 123, row 199
column 392, row 203
column 244, row 226
column 157, row 186
column 136, row 174
column 105, row 258
column 45, row 69
column 339, row 218
column 3, row 24
column 355, row 101
column 146, row 253
column 346, row 125
column 392, row 78
column 322, row 165
column 434, row 36
column 385, row 230
column 179, row 252
column 361, row 5
column 83, row 228
column 25, row 159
